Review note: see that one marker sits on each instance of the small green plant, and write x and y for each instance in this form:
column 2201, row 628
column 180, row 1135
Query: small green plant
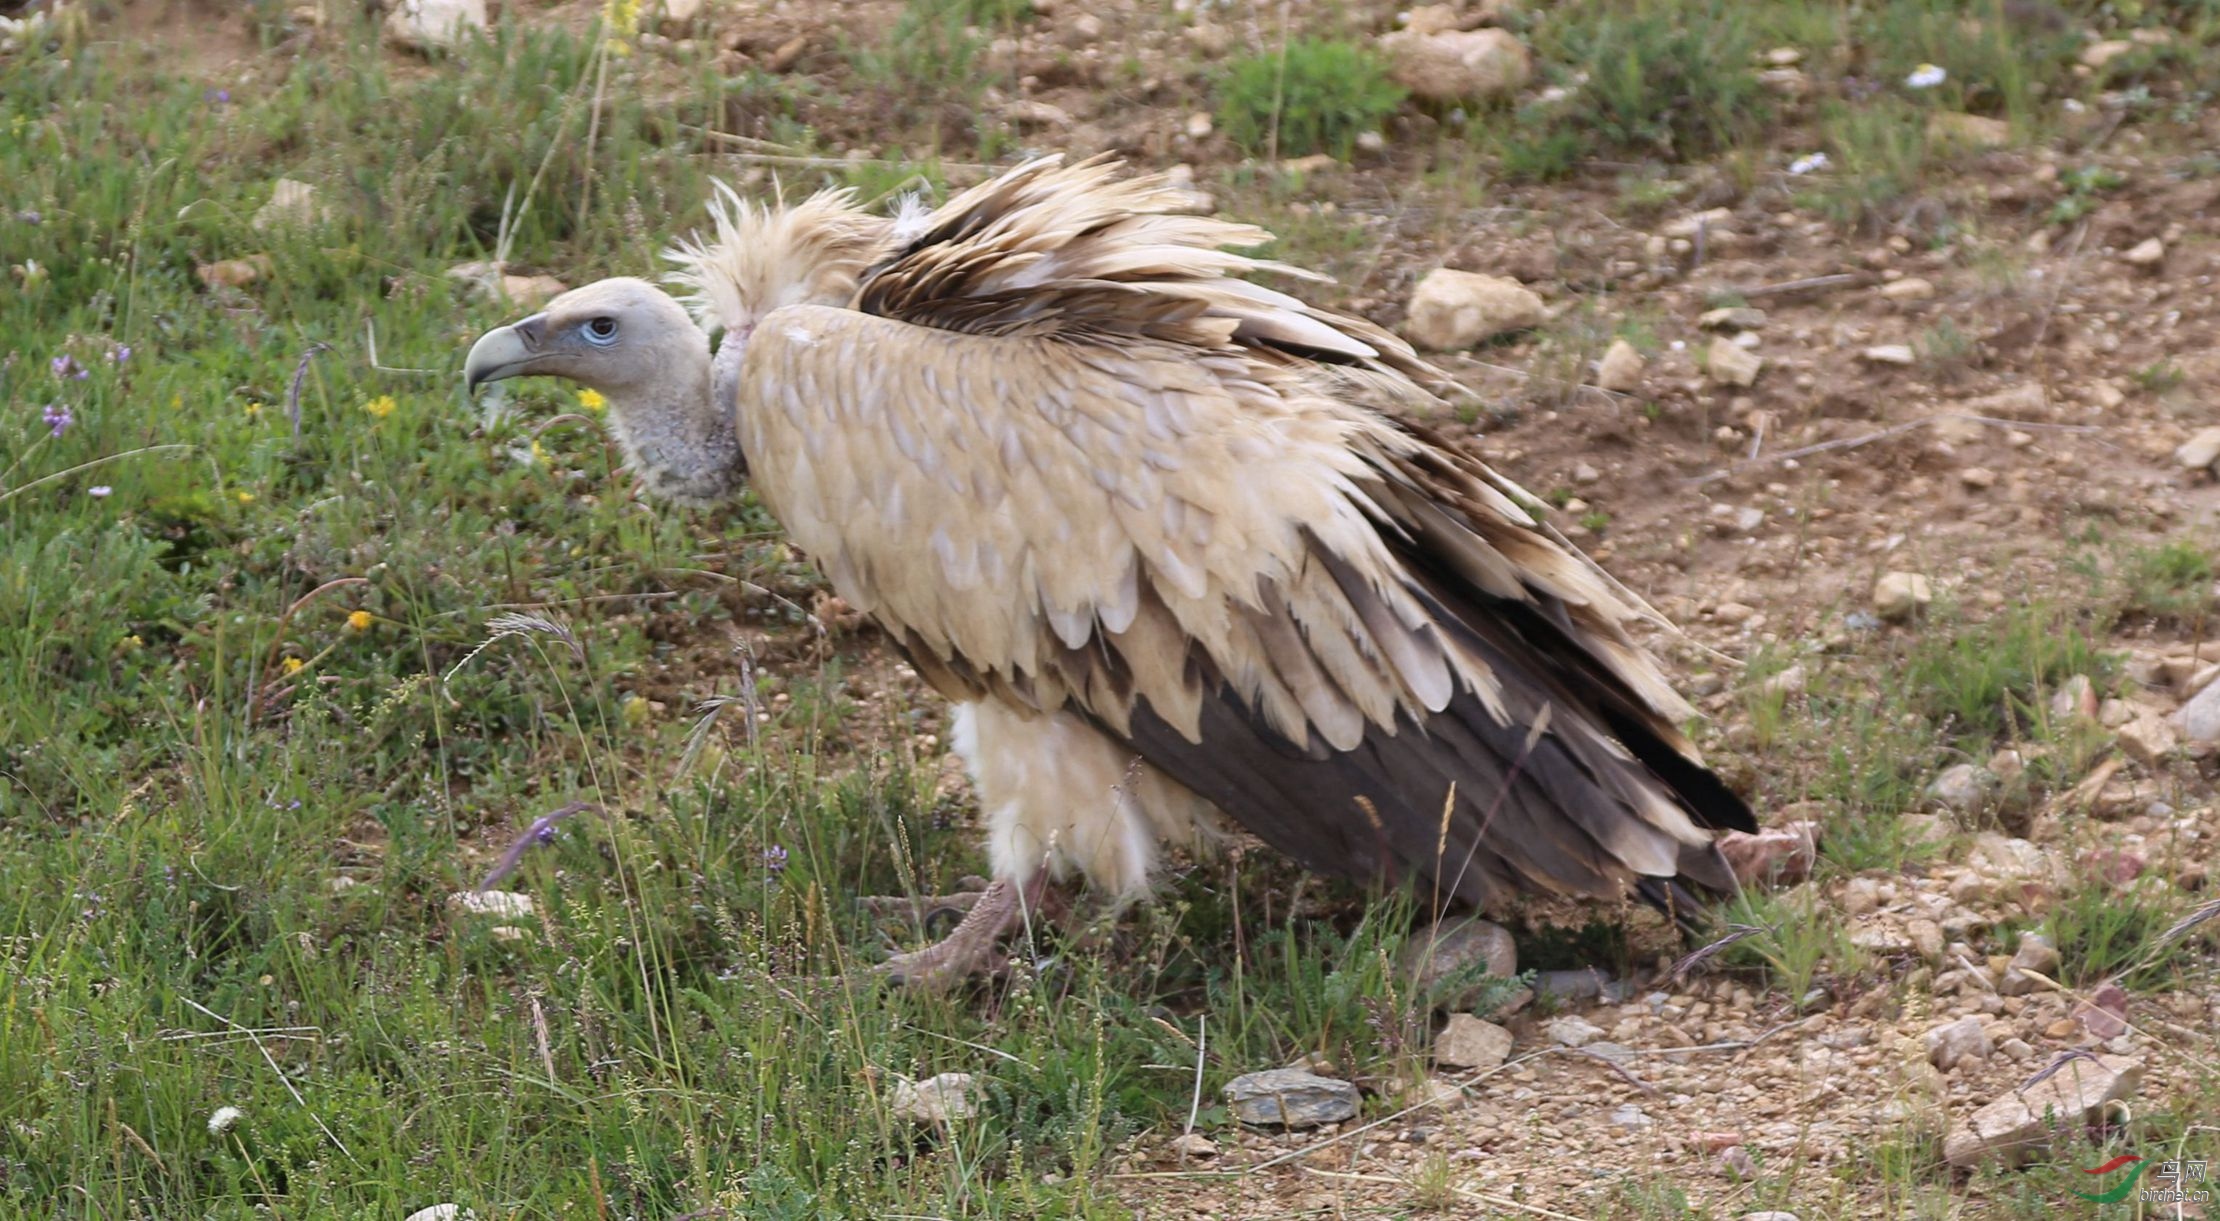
column 1664, row 78
column 1312, row 95
column 2172, row 581
column 2160, row 377
column 1880, row 151
column 1792, row 935
column 2083, row 185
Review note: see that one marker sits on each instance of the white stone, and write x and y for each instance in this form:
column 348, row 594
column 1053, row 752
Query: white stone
column 2019, row 1125
column 501, row 904
column 1897, row 595
column 1457, row 309
column 1910, row 288
column 442, row 1212
column 1458, row 65
column 1572, row 1030
column 1732, row 365
column 1620, row 370
column 1963, row 786
column 2199, row 720
column 1467, row 1043
column 1952, row 1042
column 434, row 25
column 2200, row 451
column 935, row 1100
column 1888, row 354
column 2149, row 252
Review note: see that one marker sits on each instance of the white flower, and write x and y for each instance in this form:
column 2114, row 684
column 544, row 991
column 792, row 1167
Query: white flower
column 2074, row 106
column 1807, row 163
column 224, row 1120
column 99, row 490
column 1925, row 76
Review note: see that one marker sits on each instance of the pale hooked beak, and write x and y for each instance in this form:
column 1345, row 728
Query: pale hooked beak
column 507, row 351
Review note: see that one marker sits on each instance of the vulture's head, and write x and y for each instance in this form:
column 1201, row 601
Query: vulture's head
column 637, row 346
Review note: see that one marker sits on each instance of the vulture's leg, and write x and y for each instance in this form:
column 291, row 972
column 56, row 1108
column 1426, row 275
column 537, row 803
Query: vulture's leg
column 974, row 948
column 922, row 912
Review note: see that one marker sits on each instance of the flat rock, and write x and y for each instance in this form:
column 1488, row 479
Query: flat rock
column 1888, row 354
column 1467, row 1042
column 1730, row 364
column 1732, row 318
column 1963, row 786
column 1910, row 288
column 1457, row 309
column 2200, row 451
column 1457, row 65
column 1194, row 1144
column 2019, row 1125
column 1620, row 370
column 2148, row 739
column 2149, row 252
column 1290, row 1098
column 1452, row 948
column 1897, row 595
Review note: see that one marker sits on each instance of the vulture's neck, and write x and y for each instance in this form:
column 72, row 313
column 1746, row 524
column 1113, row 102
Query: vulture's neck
column 679, row 436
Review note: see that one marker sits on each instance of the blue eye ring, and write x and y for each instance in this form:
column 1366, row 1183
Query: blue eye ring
column 602, row 331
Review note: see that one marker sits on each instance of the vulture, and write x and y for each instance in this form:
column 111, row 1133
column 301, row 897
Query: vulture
column 1158, row 532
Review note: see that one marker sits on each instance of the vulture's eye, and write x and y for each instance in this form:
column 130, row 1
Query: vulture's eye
column 601, row 330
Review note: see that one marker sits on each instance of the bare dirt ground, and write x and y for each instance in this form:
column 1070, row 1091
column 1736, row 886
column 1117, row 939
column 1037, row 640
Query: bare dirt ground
column 2047, row 382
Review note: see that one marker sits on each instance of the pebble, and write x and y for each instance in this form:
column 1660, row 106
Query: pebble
column 1979, row 478
column 2198, row 721
column 1910, row 288
column 1450, row 949
column 2200, row 451
column 1731, row 365
column 1888, row 354
column 1572, row 1030
column 1457, row 309
column 1732, row 318
column 1963, row 786
column 1620, row 370
column 2149, row 252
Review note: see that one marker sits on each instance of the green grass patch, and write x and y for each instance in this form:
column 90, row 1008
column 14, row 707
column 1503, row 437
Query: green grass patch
column 1310, row 95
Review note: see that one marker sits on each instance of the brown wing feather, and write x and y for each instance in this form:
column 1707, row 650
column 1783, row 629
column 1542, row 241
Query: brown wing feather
column 1070, row 465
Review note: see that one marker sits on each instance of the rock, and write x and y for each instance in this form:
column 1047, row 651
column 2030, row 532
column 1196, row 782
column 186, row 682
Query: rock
column 935, row 1100
column 1194, row 1144
column 442, row 1212
column 433, row 25
column 1620, row 371
column 2103, row 1014
column 1452, row 948
column 1791, row 681
column 1888, row 354
column 2199, row 720
column 1584, row 473
column 1963, row 786
column 2035, row 954
column 1733, row 614
column 678, row 14
column 1736, row 1163
column 1457, row 309
column 2002, row 858
column 1926, row 939
column 2076, row 698
column 1032, row 114
column 1968, row 132
column 492, row 281
column 2149, row 252
column 1582, row 984
column 2201, row 451
column 1291, row 1098
column 2148, row 739
column 1977, row 478
column 292, row 205
column 501, row 904
column 1910, row 288
column 2098, row 54
column 2017, row 1126
column 1572, row 1030
column 1628, row 1115
column 1952, row 1042
column 1898, row 595
column 1779, row 856
column 1458, row 65
column 238, row 273
column 1199, row 125
column 1924, row 829
column 1467, row 1042
column 1736, row 318
column 1731, row 365
column 2112, row 866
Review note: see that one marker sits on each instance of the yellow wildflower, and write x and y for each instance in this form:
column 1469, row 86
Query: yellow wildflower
column 177, row 402
column 539, row 456
column 381, row 406
column 360, row 621
column 246, row 498
column 293, row 665
column 253, row 410
column 591, row 400
column 131, row 643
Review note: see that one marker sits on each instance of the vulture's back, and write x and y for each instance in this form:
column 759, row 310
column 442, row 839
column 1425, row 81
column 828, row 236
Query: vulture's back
column 1069, row 461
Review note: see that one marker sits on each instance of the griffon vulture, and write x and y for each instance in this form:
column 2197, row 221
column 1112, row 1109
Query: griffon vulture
column 1149, row 525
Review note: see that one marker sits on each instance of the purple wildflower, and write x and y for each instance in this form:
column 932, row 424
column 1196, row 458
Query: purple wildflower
column 774, row 859
column 218, row 96
column 121, row 354
column 541, row 832
column 66, row 367
column 57, row 419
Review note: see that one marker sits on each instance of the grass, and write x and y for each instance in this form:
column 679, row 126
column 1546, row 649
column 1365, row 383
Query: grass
column 1308, row 95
